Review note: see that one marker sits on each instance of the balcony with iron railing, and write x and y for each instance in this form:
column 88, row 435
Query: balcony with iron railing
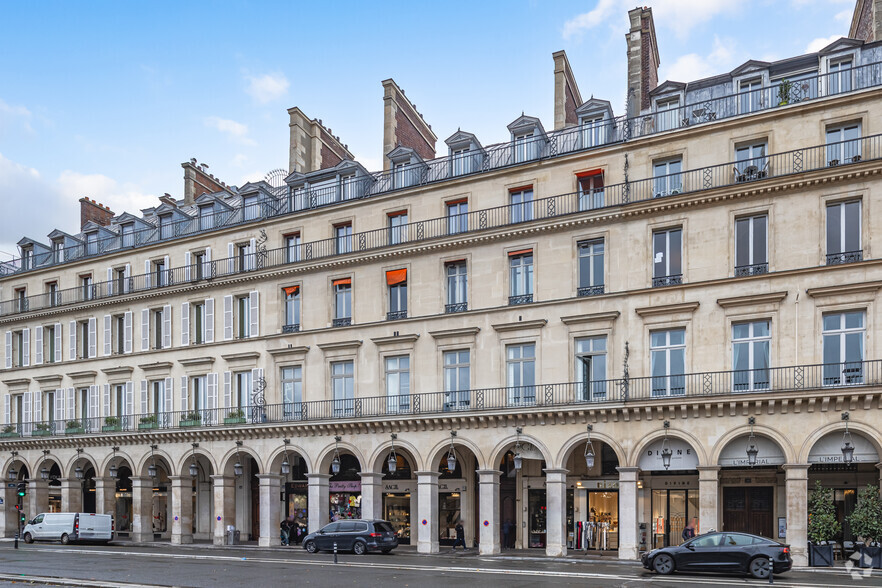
column 498, row 156
column 729, row 385
column 614, row 195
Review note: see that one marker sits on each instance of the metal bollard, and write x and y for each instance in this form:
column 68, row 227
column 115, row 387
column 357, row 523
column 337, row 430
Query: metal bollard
column 16, row 540
column 335, row 552
column 771, row 570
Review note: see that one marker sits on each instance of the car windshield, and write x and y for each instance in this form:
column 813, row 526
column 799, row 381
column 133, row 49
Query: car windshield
column 383, row 527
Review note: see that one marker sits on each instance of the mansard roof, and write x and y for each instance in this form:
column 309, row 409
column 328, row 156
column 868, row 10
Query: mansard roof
column 840, row 44
column 749, row 66
column 526, row 123
column 666, row 87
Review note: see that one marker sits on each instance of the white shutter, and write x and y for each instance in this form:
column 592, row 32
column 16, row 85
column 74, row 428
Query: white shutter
column 254, row 303
column 208, row 322
column 106, row 408
column 185, row 323
column 71, row 413
column 185, row 400
column 8, row 350
column 168, row 395
column 127, row 332
column 231, row 260
column 93, row 337
column 25, row 347
column 110, row 281
column 108, row 337
column 147, row 273
column 93, row 401
column 27, row 417
column 211, row 391
column 206, row 265
column 38, row 345
column 145, row 329
column 187, row 256
column 256, row 376
column 59, row 405
column 72, row 339
column 228, row 389
column 58, row 339
column 130, row 399
column 38, row 406
column 166, row 270
column 166, row 326
column 144, row 406
column 228, row 317
column 252, row 254
column 6, row 408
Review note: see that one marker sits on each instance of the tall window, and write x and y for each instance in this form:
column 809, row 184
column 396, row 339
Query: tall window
column 591, row 368
column 206, row 218
column 292, row 391
column 520, row 265
column 87, row 287
column 844, row 334
column 198, row 318
column 21, row 297
column 342, row 302
column 396, row 280
column 52, row 291
column 751, row 256
column 397, row 228
column 521, row 205
column 118, row 334
column 83, row 338
column 591, row 191
column 243, row 316
column 157, row 388
column 18, row 348
column 401, row 175
column 668, row 113
column 197, row 395
column 348, row 187
column 750, row 359
column 457, row 216
column 525, row 148
column 343, row 238
column 460, row 162
column 397, row 383
column 520, row 364
column 91, row 243
column 844, row 232
column 156, row 317
column 119, row 399
column 750, row 95
column 166, row 228
column 251, row 207
column 160, row 276
column 668, row 358
column 843, row 143
column 752, row 163
column 343, row 388
column 128, row 234
column 594, row 131
column 667, row 269
column 457, row 382
column 292, row 247
column 667, row 177
column 292, row 309
column 49, row 344
column 243, row 257
column 590, row 267
column 244, row 385
column 839, row 76
column 457, row 286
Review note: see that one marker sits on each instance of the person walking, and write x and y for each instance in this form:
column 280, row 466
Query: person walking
column 460, row 536
column 689, row 531
column 285, row 527
column 507, row 528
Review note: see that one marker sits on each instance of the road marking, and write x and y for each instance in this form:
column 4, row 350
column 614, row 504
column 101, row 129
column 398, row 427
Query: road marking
column 654, row 578
column 72, row 581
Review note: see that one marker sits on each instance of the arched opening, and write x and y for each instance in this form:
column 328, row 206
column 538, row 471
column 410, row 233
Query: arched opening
column 522, row 483
column 344, row 488
column 296, row 489
column 202, row 497
column 122, row 512
column 88, row 489
column 457, row 495
column 592, row 511
column 399, row 495
column 242, row 466
column 161, row 498
column 54, row 486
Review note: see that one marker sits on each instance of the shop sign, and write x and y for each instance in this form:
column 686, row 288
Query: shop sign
column 734, row 455
column 674, row 482
column 353, row 486
column 530, row 451
column 682, row 458
column 297, row 487
column 451, row 486
column 599, row 484
column 828, row 449
column 399, row 486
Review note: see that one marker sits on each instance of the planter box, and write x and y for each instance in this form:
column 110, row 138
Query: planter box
column 191, row 423
column 111, row 428
column 40, row 433
column 234, row 420
column 8, row 435
column 871, row 557
column 820, row 556
column 74, row 431
column 146, row 426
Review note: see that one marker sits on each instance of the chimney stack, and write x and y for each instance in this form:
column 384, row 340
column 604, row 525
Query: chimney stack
column 567, row 97
column 643, row 60
column 404, row 125
column 94, row 212
column 866, row 21
column 312, row 145
column 197, row 181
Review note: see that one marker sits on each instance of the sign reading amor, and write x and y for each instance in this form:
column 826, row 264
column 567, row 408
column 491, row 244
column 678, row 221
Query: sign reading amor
column 683, row 457
column 735, row 453
column 828, row 449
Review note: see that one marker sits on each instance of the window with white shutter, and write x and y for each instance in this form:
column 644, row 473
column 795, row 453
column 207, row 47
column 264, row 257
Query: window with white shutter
column 228, row 389
column 144, row 398
column 187, row 257
column 254, row 301
column 106, row 405
column 59, row 405
column 228, row 317
column 38, row 406
column 185, row 323
column 72, row 340
column 58, row 339
column 168, row 392
column 25, row 347
column 71, row 401
column 145, row 329
column 93, row 402
column 208, row 323
column 93, row 337
column 166, row 326
column 108, row 334
column 206, row 265
column 185, row 401
column 27, row 418
column 127, row 332
column 211, row 391
column 130, row 398
column 6, row 409
column 8, row 350
column 38, row 345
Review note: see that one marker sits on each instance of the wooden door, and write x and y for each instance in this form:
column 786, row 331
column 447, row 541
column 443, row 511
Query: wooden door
column 748, row 509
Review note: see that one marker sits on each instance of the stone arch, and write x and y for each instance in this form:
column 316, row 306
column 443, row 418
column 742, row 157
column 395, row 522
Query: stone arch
column 780, row 440
column 182, row 467
column 405, row 447
column 680, row 434
column 35, row 467
column 574, row 442
column 508, row 442
column 327, row 454
column 274, row 461
column 441, row 448
column 229, row 459
column 68, row 470
column 869, row 432
column 122, row 458
column 18, row 462
column 161, row 457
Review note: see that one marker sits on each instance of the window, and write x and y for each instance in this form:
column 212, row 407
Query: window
column 460, row 162
column 668, row 358
column 244, row 259
column 292, row 391
column 750, row 95
column 87, row 287
column 57, row 251
column 520, row 363
column 348, row 187
column 49, row 404
column 843, row 144
column 668, row 113
column 243, row 314
column 667, row 260
column 751, row 256
column 457, row 286
column 401, row 175
column 292, row 248
column 159, row 272
column 119, row 394
column 397, row 227
column 667, row 179
column 590, row 267
column 292, row 309
column 197, row 317
column 396, row 280
column 52, row 293
column 521, row 202
column 457, row 216
column 27, row 257
column 21, row 299
column 49, row 349
column 591, row 368
column 844, row 348
column 166, row 228
column 83, row 339
column 243, row 382
column 397, row 384
column 844, row 232
column 457, row 381
column 198, row 265
column 118, row 334
column 19, row 348
column 157, row 388
column 750, row 360
column 120, row 283
column 157, row 320
column 752, row 163
column 206, row 217
column 520, row 277
column 197, row 393
column 343, row 238
column 342, row 302
column 343, row 388
column 128, row 234
column 91, row 243
column 594, row 131
column 525, row 148
column 250, row 207
column 839, row 74
column 591, row 191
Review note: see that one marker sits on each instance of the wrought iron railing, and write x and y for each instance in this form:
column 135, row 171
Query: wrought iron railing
column 501, row 155
column 755, row 269
column 590, row 290
column 845, row 257
column 707, row 178
column 847, row 375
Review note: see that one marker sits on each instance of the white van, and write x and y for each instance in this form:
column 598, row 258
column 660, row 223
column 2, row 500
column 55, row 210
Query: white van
column 69, row 526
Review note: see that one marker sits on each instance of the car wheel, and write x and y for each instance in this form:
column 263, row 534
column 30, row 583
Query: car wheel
column 310, row 547
column 759, row 567
column 28, row 539
column 663, row 563
column 65, row 539
column 359, row 548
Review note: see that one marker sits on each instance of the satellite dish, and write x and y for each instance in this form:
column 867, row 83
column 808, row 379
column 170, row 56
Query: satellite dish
column 276, row 178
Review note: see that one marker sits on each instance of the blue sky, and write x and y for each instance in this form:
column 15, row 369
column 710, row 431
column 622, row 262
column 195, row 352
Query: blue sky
column 106, row 99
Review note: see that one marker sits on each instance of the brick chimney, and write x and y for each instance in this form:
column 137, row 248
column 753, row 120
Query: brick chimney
column 567, row 97
column 643, row 60
column 313, row 146
column 95, row 212
column 197, row 181
column 404, row 125
column 866, row 22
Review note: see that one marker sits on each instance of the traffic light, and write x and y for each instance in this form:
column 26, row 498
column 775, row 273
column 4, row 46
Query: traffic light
column 22, row 489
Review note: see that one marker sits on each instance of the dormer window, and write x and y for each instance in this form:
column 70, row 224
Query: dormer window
column 92, row 243
column 460, row 162
column 348, row 187
column 750, row 95
column 251, row 207
column 27, row 258
column 839, row 75
column 166, row 230
column 128, row 234
column 524, row 147
column 668, row 113
column 57, row 251
column 400, row 175
column 465, row 153
column 206, row 218
column 594, row 131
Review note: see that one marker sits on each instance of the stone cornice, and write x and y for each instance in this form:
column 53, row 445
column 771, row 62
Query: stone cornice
column 406, row 338
column 578, row 319
column 520, row 325
column 50, row 379
column 284, row 352
column 158, row 368
column 244, row 356
column 196, row 361
column 450, row 333
column 752, row 299
column 843, row 289
column 17, row 382
column 334, row 345
column 689, row 307
column 119, row 370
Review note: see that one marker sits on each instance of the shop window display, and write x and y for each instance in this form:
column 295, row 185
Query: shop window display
column 345, row 490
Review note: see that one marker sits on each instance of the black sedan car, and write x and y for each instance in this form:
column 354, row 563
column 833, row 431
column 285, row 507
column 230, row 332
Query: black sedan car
column 721, row 552
column 356, row 535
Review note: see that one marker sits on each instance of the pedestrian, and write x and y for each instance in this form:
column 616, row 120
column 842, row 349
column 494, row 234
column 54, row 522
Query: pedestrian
column 507, row 528
column 285, row 527
column 689, row 531
column 460, row 536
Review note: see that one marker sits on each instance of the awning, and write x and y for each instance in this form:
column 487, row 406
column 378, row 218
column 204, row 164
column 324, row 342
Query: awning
column 342, row 282
column 395, row 277
column 291, row 290
column 519, row 252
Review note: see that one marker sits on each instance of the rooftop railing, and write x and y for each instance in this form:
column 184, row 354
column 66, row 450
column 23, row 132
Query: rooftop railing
column 731, row 384
column 832, row 155
column 501, row 155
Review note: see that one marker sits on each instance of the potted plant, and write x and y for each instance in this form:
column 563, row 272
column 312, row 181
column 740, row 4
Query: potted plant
column 40, row 430
column 9, row 431
column 822, row 526
column 147, row 422
column 235, row 417
column 111, row 423
column 192, row 419
column 784, row 92
column 73, row 427
column 866, row 523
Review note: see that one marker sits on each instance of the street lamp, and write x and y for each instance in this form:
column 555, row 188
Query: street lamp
column 847, row 446
column 78, row 471
column 451, row 454
column 286, row 466
column 392, row 462
column 752, row 451
column 518, row 460
column 589, row 450
column 666, row 452
column 12, row 473
column 335, row 463
column 151, row 469
column 114, row 470
column 237, row 467
column 44, row 471
column 194, row 469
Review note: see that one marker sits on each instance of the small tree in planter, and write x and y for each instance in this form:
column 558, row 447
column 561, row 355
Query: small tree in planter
column 40, row 430
column 192, row 419
column 235, row 417
column 111, row 423
column 73, row 426
column 866, row 523
column 784, row 92
column 147, row 422
column 822, row 525
column 9, row 431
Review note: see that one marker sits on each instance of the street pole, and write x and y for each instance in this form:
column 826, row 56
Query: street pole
column 335, row 552
column 771, row 570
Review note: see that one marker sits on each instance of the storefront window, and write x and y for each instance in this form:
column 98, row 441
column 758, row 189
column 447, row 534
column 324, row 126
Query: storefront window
column 538, row 518
column 397, row 512
column 345, row 490
column 449, row 513
column 671, row 511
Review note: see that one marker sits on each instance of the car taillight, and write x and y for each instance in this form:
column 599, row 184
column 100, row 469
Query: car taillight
column 786, row 550
column 376, row 534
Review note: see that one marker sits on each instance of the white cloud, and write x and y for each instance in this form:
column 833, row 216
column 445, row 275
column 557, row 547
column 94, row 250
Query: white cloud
column 239, row 159
column 693, row 66
column 125, row 197
column 254, row 176
column 267, row 87
column 588, row 20
column 235, row 130
column 40, row 207
column 820, row 43
column 844, row 16
column 18, row 115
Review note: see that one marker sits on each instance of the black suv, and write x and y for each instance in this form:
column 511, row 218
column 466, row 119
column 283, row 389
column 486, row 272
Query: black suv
column 356, row 535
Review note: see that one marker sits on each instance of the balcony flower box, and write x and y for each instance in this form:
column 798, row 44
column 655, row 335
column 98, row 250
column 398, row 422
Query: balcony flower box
column 40, row 433
column 74, row 430
column 110, row 428
column 5, row 435
column 148, row 422
column 234, row 420
column 193, row 419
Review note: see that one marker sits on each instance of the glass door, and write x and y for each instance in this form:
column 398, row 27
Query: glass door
column 671, row 511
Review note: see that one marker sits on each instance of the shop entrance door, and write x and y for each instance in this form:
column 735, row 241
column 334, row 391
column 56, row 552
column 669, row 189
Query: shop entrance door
column 748, row 509
column 671, row 511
